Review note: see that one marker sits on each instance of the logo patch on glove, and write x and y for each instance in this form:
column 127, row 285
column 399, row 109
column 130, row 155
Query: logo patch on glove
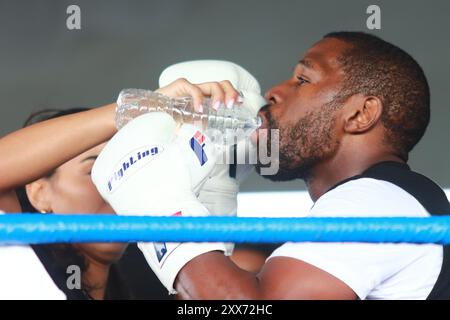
column 197, row 145
column 160, row 247
column 160, row 250
column 131, row 163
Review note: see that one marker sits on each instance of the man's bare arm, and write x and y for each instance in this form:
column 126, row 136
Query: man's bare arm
column 214, row 276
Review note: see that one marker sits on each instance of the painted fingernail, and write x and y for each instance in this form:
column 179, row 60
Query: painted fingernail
column 230, row 103
column 200, row 108
column 216, row 105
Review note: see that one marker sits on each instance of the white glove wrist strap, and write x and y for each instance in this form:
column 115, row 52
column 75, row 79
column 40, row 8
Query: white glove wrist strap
column 167, row 259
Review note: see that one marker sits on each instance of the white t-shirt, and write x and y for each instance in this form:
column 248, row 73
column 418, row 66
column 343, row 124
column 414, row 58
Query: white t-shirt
column 23, row 277
column 373, row 271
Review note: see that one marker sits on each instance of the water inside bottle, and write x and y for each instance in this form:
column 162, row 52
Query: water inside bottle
column 223, row 126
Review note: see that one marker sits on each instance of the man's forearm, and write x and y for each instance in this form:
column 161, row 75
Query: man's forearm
column 29, row 153
column 214, row 276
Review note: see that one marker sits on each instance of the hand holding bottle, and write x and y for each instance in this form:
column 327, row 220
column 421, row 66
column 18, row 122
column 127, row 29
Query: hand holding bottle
column 221, row 93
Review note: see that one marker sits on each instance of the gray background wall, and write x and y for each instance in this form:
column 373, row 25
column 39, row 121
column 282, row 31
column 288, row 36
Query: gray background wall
column 128, row 43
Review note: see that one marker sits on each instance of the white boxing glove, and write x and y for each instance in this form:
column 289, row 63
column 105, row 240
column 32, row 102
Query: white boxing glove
column 219, row 192
column 148, row 168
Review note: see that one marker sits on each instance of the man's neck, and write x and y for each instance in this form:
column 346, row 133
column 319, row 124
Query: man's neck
column 327, row 174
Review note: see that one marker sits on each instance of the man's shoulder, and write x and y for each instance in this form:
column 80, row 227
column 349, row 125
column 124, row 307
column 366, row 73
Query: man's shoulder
column 368, row 197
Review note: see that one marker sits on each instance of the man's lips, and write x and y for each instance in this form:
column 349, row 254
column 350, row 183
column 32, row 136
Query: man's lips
column 264, row 125
column 265, row 122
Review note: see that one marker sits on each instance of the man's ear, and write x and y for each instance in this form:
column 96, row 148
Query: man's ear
column 362, row 113
column 38, row 193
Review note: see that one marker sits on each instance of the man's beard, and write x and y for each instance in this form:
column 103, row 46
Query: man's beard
column 303, row 144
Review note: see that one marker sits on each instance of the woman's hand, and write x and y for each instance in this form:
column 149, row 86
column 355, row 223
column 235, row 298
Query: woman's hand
column 221, row 93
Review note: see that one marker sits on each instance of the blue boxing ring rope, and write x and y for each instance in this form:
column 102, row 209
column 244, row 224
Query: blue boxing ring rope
column 54, row 228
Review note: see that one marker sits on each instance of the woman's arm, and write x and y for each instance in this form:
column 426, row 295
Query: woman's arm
column 29, row 153
column 32, row 152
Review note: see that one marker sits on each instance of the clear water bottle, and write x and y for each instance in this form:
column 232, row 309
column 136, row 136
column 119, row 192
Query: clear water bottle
column 223, row 126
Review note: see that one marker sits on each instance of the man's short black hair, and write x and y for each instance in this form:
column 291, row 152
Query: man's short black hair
column 376, row 67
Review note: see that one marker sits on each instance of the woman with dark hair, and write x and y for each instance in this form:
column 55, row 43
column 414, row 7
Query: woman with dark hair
column 69, row 189
column 36, row 151
column 27, row 155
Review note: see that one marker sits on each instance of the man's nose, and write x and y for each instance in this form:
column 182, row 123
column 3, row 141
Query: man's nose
column 275, row 94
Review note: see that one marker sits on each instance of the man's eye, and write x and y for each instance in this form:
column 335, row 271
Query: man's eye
column 301, row 80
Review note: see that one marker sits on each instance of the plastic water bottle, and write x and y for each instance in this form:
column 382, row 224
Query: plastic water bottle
column 224, row 126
